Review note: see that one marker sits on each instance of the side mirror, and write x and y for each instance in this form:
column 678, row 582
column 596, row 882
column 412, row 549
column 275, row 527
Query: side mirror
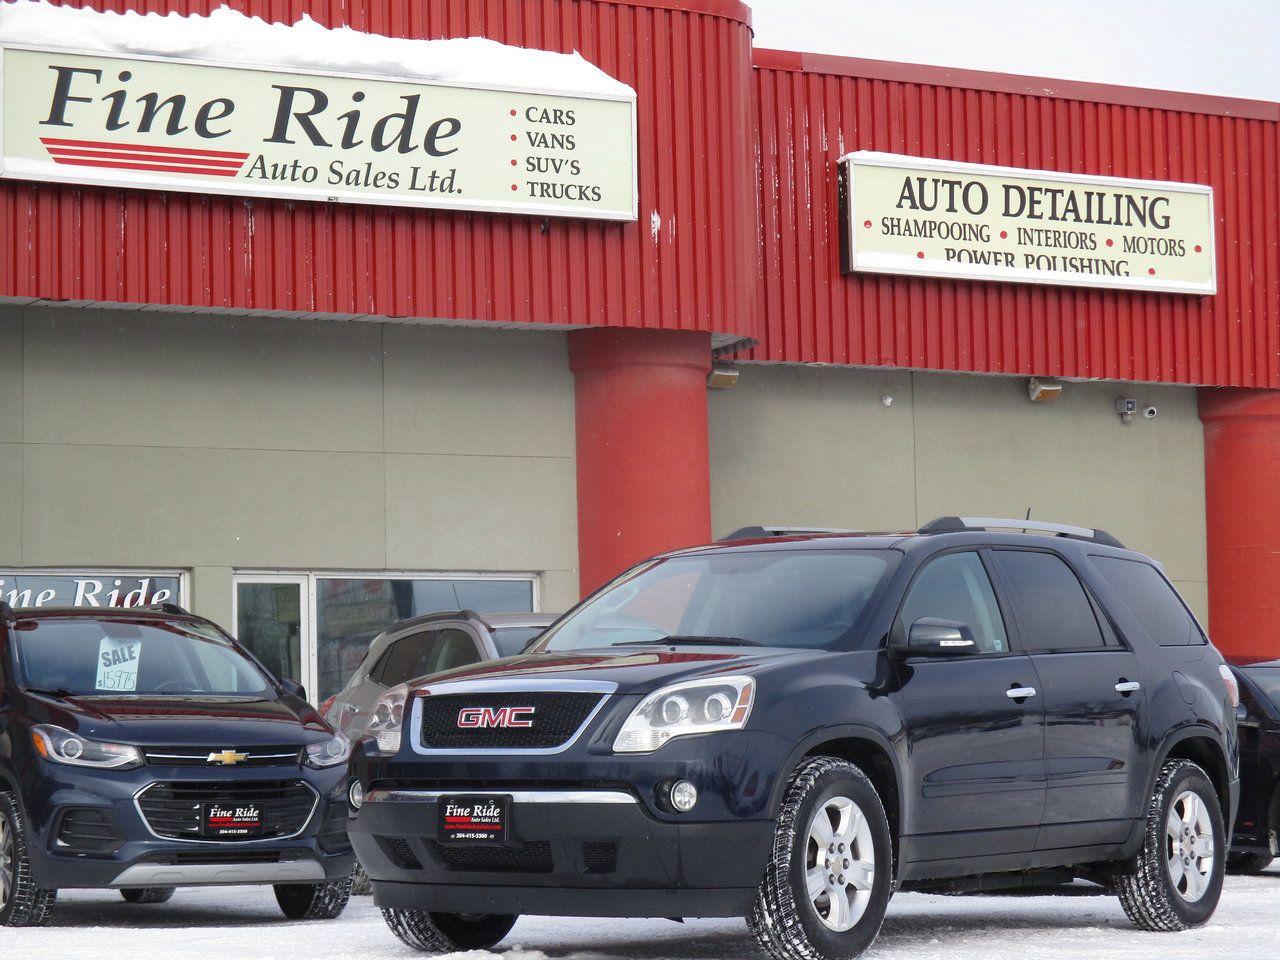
column 929, row 637
column 294, row 689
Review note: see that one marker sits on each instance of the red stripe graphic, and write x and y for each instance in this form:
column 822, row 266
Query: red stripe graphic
column 131, row 156
column 143, row 147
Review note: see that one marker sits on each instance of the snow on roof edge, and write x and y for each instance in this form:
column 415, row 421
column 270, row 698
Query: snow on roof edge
column 228, row 36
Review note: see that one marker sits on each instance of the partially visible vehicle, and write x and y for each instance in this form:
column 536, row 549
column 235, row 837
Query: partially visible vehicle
column 143, row 749
column 1257, row 836
column 425, row 645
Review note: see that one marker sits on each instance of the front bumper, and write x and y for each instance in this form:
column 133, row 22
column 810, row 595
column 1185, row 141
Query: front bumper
column 569, row 853
column 130, row 854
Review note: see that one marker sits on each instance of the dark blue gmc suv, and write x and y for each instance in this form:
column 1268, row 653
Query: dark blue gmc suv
column 143, row 750
column 792, row 728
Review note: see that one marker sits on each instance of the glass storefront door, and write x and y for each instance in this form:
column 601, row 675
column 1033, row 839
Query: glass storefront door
column 316, row 627
column 270, row 621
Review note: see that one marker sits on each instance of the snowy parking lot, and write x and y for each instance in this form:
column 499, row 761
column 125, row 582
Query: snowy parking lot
column 244, row 924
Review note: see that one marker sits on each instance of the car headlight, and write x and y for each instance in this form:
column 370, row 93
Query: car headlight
column 63, row 746
column 387, row 719
column 683, row 709
column 329, row 753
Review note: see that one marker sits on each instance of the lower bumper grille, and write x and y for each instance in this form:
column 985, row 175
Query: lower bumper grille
column 89, row 830
column 173, row 809
column 525, row 858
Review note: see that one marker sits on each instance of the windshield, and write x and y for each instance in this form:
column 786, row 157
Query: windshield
column 776, row 598
column 110, row 657
column 513, row 640
column 1268, row 678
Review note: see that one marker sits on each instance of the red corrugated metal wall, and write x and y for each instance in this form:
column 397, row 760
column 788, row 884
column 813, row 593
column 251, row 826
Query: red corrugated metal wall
column 812, row 110
column 691, row 68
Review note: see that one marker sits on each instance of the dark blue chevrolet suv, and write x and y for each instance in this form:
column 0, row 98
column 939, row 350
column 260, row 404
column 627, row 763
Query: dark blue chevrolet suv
column 143, row 750
column 791, row 729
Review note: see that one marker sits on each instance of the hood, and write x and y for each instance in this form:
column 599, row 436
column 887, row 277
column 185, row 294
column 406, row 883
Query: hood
column 189, row 721
column 637, row 670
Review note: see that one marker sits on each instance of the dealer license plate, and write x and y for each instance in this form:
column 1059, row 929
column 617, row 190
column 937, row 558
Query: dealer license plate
column 229, row 821
column 464, row 819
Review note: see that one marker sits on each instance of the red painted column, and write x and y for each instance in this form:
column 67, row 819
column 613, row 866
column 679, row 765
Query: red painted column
column 1242, row 510
column 643, row 463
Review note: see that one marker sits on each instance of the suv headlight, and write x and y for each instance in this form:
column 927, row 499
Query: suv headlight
column 683, row 709
column 63, row 746
column 329, row 753
column 386, row 722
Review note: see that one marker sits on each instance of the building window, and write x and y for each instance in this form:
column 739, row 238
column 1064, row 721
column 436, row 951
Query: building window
column 91, row 588
column 316, row 627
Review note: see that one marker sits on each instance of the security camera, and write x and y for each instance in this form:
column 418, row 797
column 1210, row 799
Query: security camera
column 1126, row 407
column 1151, row 413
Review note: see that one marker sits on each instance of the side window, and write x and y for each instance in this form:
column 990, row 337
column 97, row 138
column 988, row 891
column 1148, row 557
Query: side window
column 1050, row 605
column 456, row 648
column 408, row 657
column 1152, row 600
column 956, row 587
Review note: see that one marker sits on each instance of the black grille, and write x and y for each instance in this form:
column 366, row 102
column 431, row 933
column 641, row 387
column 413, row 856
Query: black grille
column 214, row 857
column 508, row 858
column 600, row 857
column 556, row 717
column 400, row 853
column 89, row 830
column 173, row 809
column 279, row 755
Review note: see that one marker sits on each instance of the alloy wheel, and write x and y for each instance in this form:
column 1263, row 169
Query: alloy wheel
column 1189, row 846
column 840, row 863
column 8, row 861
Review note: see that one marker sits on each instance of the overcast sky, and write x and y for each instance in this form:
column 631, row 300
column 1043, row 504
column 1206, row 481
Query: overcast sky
column 1229, row 47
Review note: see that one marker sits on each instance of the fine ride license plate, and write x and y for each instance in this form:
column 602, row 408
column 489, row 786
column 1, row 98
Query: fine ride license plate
column 474, row 819
column 226, row 821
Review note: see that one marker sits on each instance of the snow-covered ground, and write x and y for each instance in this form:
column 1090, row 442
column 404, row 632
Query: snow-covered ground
column 244, row 924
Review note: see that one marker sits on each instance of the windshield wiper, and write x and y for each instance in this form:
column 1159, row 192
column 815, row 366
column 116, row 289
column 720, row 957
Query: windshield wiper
column 677, row 640
column 62, row 693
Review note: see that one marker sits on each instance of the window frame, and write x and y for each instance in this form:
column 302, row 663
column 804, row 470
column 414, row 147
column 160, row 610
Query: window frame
column 1094, row 603
column 897, row 630
column 309, row 577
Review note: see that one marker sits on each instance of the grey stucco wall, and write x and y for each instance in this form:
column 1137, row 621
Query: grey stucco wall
column 806, row 446
column 208, row 443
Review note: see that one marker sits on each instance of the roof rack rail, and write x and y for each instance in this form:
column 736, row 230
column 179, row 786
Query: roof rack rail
column 167, row 607
column 958, row 524
column 781, row 530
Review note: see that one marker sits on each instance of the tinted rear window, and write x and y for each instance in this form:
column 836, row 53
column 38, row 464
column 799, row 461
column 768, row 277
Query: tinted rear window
column 1050, row 606
column 1151, row 599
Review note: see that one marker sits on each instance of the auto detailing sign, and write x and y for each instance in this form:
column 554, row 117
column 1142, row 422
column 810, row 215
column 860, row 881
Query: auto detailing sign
column 167, row 124
column 970, row 221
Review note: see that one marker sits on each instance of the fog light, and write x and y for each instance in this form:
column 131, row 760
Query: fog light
column 683, row 796
column 356, row 794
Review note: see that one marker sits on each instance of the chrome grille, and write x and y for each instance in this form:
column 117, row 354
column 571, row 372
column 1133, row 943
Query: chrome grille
column 172, row 809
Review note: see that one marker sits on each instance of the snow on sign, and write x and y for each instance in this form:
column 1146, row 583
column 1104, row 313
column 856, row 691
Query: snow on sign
column 970, row 221
column 318, row 114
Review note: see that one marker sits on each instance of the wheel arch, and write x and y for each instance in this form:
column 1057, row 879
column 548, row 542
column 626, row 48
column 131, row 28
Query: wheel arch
column 866, row 749
column 1200, row 745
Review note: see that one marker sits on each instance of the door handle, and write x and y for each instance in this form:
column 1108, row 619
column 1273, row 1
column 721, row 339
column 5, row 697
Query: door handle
column 1020, row 693
column 1128, row 686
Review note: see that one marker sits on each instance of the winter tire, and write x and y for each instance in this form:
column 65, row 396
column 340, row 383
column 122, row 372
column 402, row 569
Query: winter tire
column 1175, row 882
column 448, row 932
column 827, row 886
column 314, row 901
column 149, row 895
column 1249, row 863
column 22, row 903
column 361, row 885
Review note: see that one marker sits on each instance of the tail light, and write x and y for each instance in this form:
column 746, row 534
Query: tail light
column 1233, row 685
column 325, row 707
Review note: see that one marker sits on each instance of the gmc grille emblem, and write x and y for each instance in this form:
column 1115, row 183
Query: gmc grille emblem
column 503, row 717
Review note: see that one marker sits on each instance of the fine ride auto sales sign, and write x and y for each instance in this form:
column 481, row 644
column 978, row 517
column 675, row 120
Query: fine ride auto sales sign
column 936, row 218
column 166, row 124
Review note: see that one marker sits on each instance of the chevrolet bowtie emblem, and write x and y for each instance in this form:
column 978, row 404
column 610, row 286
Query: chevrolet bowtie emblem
column 228, row 758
